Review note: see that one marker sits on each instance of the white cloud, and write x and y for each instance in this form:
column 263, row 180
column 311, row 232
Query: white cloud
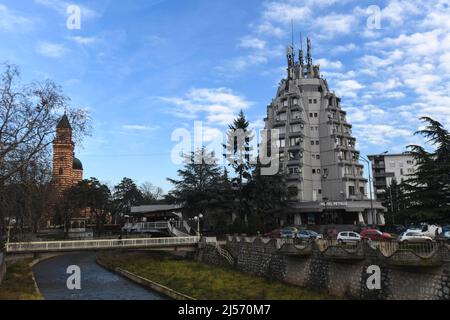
column 269, row 29
column 10, row 21
column 217, row 105
column 83, row 40
column 60, row 6
column 252, row 42
column 348, row 88
column 51, row 50
column 327, row 64
column 284, row 12
column 136, row 127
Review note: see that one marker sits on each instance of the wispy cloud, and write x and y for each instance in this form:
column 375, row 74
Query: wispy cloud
column 60, row 6
column 83, row 40
column 51, row 50
column 219, row 106
column 12, row 21
column 138, row 127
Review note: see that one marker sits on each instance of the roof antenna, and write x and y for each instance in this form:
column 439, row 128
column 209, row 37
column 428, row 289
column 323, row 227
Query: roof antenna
column 292, row 26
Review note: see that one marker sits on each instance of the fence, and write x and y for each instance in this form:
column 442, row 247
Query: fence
column 98, row 244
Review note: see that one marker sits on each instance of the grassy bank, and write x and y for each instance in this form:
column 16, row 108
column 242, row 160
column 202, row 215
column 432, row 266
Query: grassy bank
column 205, row 282
column 18, row 283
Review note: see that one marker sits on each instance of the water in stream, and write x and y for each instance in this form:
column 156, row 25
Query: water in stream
column 97, row 283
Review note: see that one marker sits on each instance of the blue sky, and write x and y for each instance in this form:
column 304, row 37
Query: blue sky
column 146, row 68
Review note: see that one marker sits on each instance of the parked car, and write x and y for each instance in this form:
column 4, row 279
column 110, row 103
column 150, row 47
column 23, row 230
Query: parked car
column 287, row 233
column 375, row 234
column 415, row 237
column 348, row 237
column 307, row 235
column 293, row 229
column 274, row 234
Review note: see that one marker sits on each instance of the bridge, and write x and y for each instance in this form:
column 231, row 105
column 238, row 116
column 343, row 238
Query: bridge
column 109, row 244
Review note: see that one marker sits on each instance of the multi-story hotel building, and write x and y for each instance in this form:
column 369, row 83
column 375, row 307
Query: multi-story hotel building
column 317, row 150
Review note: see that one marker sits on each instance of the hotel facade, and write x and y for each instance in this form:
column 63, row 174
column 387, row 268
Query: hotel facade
column 317, row 151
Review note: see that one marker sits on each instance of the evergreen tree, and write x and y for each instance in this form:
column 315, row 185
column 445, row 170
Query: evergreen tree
column 238, row 154
column 197, row 188
column 126, row 194
column 428, row 190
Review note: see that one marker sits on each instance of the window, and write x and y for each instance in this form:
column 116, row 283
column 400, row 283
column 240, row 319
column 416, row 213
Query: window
column 317, row 156
column 361, row 190
column 295, row 141
column 410, row 170
column 281, row 155
column 410, row 162
column 312, row 142
column 285, row 103
column 401, row 171
column 310, row 114
column 400, row 164
column 318, row 171
column 351, row 190
column 282, row 117
column 281, row 143
column 60, row 171
column 313, row 171
column 315, row 115
column 310, row 101
column 293, row 155
column 292, row 191
column 315, row 100
column 317, row 142
column 294, row 170
column 295, row 101
column 61, row 158
column 319, row 191
column 282, row 130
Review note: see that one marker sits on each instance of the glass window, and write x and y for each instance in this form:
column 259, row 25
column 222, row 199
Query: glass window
column 296, row 115
column 295, row 141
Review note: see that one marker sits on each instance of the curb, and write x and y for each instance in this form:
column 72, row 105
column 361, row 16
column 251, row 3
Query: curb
column 159, row 288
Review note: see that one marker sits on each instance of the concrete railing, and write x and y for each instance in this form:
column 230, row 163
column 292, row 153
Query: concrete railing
column 52, row 246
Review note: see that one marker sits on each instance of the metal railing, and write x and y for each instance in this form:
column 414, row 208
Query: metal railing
column 16, row 247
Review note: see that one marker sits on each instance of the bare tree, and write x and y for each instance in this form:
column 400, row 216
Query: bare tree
column 28, row 117
column 150, row 192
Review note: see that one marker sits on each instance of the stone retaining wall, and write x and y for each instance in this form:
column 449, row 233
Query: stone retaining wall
column 2, row 267
column 337, row 271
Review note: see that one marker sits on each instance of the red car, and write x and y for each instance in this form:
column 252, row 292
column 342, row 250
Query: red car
column 374, row 234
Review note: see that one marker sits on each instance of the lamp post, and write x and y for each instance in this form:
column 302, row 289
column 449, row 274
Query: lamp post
column 197, row 218
column 370, row 188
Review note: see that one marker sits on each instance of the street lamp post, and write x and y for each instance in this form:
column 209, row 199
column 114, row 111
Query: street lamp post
column 197, row 218
column 370, row 188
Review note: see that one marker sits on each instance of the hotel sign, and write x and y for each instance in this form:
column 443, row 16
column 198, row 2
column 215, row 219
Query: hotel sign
column 334, row 204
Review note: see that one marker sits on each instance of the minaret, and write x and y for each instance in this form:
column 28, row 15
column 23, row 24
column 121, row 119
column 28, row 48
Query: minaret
column 63, row 155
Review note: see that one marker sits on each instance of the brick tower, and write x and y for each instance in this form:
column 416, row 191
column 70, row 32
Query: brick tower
column 67, row 170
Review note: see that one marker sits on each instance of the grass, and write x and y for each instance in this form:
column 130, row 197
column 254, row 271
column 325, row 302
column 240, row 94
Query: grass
column 206, row 282
column 18, row 283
